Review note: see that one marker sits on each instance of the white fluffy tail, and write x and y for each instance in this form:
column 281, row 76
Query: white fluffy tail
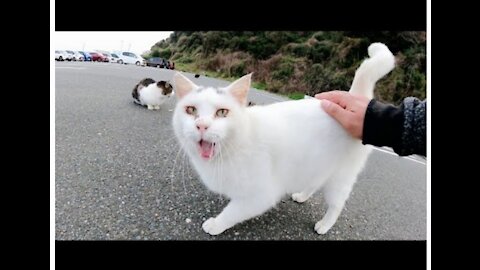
column 381, row 62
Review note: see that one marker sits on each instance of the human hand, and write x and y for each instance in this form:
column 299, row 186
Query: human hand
column 348, row 109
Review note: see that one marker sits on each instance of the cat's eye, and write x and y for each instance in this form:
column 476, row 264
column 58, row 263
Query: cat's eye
column 222, row 113
column 191, row 110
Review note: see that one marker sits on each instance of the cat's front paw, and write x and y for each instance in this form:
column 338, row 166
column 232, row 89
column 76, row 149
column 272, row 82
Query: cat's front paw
column 321, row 227
column 212, row 227
column 150, row 107
column 300, row 197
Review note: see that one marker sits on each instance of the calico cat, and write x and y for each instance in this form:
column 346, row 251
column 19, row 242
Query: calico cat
column 150, row 94
column 255, row 155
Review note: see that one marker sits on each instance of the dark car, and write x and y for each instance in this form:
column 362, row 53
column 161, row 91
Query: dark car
column 86, row 56
column 98, row 57
column 155, row 62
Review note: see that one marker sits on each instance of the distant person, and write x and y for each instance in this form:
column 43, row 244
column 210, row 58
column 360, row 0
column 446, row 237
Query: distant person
column 403, row 128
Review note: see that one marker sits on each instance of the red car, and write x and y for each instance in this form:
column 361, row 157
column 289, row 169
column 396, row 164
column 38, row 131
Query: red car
column 98, row 57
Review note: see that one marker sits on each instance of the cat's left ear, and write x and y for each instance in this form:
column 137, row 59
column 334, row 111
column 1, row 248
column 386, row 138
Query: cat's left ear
column 182, row 85
column 239, row 88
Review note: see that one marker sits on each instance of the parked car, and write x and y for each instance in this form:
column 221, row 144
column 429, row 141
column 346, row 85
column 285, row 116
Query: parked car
column 155, row 62
column 86, row 56
column 98, row 57
column 75, row 55
column 66, row 55
column 129, row 58
column 61, row 55
column 104, row 53
column 114, row 58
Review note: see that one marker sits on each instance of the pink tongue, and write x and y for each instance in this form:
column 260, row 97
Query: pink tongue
column 207, row 149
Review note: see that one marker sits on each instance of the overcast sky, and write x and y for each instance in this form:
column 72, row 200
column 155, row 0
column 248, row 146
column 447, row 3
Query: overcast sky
column 137, row 42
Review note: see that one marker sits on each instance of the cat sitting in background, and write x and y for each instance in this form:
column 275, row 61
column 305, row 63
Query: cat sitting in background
column 254, row 155
column 150, row 94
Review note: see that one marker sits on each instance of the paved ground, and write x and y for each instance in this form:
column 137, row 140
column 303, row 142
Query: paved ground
column 119, row 174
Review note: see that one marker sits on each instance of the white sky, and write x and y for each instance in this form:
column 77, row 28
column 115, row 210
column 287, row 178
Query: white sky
column 136, row 42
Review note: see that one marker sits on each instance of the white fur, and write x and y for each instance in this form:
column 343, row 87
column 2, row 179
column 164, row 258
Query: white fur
column 265, row 152
column 152, row 96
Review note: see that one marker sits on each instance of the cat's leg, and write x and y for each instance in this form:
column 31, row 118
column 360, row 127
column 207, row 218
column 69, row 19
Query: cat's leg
column 301, row 197
column 150, row 107
column 157, row 107
column 337, row 189
column 236, row 211
column 336, row 192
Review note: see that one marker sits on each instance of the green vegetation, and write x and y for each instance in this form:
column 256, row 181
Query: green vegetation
column 298, row 63
column 296, row 95
column 259, row 85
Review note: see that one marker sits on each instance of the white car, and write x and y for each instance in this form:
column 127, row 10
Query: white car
column 114, row 58
column 68, row 56
column 75, row 56
column 61, row 55
column 129, row 58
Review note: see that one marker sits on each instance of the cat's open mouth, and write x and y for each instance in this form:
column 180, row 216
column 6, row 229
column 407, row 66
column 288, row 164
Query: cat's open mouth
column 206, row 148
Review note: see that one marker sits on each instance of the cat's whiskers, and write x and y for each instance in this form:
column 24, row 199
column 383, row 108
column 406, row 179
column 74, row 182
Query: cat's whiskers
column 234, row 151
column 172, row 173
column 189, row 169
column 217, row 168
column 222, row 159
column 183, row 172
column 169, row 141
column 189, row 164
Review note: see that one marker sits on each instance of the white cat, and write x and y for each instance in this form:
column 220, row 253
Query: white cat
column 255, row 155
column 151, row 94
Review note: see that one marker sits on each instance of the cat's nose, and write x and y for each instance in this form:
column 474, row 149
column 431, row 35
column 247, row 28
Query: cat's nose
column 202, row 127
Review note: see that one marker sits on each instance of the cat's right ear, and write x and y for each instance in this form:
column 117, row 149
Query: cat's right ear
column 182, row 85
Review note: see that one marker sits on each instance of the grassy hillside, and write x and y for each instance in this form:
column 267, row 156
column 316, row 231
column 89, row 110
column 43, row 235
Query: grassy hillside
column 298, row 63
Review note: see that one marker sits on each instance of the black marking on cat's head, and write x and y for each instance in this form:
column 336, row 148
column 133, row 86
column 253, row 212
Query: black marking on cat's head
column 143, row 83
column 166, row 87
column 147, row 81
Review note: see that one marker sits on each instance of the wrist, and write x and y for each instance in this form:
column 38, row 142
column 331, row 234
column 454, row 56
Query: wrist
column 383, row 124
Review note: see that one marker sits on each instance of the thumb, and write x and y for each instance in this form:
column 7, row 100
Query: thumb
column 335, row 111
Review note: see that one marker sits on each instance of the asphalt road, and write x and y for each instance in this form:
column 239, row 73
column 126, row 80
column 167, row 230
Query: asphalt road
column 119, row 173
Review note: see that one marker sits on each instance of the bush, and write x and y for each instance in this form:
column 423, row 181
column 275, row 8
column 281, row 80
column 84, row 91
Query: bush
column 301, row 62
column 284, row 71
column 301, row 50
column 320, row 52
column 238, row 69
column 185, row 59
column 166, row 53
column 155, row 53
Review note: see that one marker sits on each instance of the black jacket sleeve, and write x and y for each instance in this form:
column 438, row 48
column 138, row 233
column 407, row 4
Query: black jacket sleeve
column 403, row 128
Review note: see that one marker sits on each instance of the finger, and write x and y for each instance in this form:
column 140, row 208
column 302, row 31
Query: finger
column 329, row 94
column 338, row 97
column 337, row 112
